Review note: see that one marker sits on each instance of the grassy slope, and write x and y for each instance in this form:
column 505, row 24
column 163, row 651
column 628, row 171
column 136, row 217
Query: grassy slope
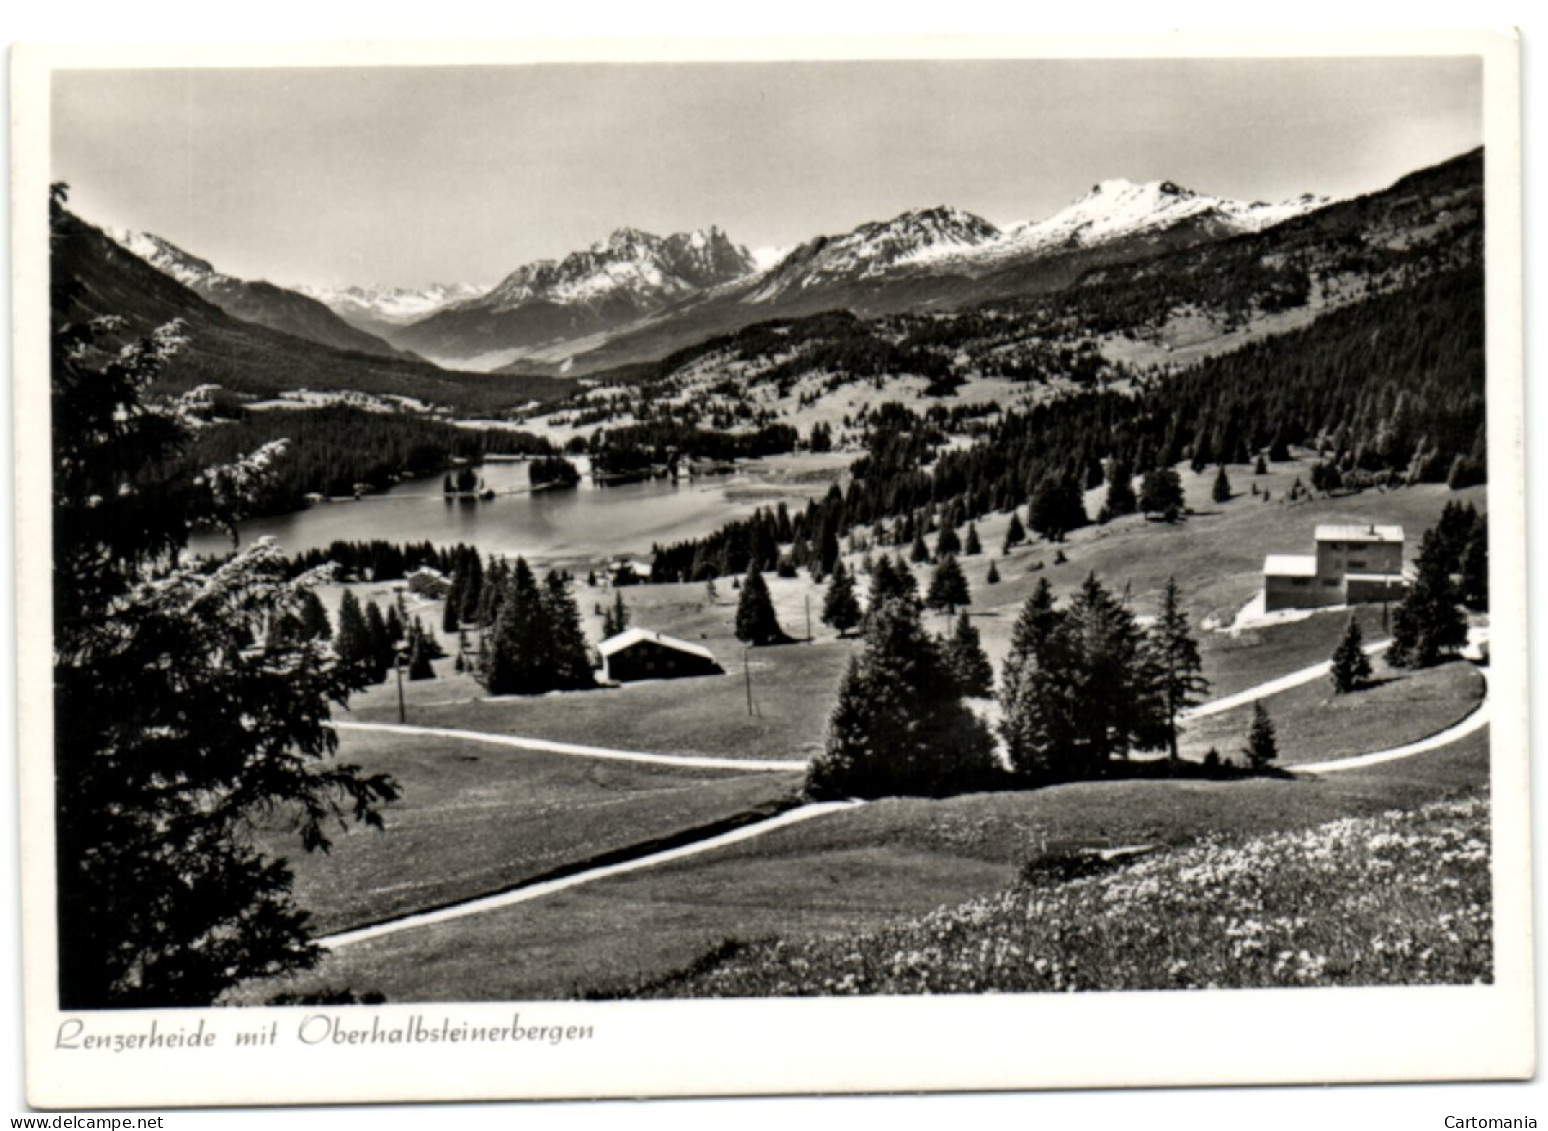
column 792, row 685
column 852, row 871
column 1315, row 725
column 478, row 818
column 1398, row 899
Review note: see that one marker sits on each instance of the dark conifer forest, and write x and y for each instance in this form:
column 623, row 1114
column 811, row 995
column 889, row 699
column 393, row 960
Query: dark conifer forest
column 333, row 449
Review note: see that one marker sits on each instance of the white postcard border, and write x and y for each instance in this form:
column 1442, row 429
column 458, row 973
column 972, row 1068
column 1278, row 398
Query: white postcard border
column 807, row 1046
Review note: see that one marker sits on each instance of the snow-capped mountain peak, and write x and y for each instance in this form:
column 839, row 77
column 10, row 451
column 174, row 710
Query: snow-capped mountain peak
column 1117, row 208
column 952, row 240
column 394, row 306
column 766, row 257
column 910, row 239
column 167, row 257
column 630, row 265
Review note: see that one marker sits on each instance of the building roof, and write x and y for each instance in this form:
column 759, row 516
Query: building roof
column 1355, row 532
column 1290, row 565
column 633, row 636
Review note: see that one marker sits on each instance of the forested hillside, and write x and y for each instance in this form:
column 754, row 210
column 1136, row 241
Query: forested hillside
column 333, row 449
column 244, row 356
column 1391, row 389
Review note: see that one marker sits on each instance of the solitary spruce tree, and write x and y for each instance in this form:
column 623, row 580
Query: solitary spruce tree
column 1262, row 746
column 755, row 620
column 1120, row 498
column 947, row 542
column 1176, row 659
column 1221, row 492
column 380, row 653
column 353, row 642
column 1350, row 666
column 890, row 579
column 616, row 618
column 948, row 587
column 1015, row 533
column 471, row 593
column 1035, row 711
column 569, row 657
column 515, row 655
column 965, row 658
column 840, row 606
column 1162, row 493
column 1430, row 623
column 1120, row 705
column 313, row 618
column 1475, row 568
column 419, row 653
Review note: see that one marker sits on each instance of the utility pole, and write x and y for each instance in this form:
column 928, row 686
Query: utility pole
column 808, row 618
column 747, row 673
column 398, row 664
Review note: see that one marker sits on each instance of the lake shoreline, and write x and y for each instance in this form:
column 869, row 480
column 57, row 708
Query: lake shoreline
column 588, row 522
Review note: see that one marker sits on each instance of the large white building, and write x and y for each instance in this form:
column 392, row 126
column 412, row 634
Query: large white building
column 1354, row 564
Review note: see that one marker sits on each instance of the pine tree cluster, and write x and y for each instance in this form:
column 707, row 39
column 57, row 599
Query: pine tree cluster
column 533, row 641
column 1084, row 684
column 1452, row 569
column 375, row 643
column 900, row 727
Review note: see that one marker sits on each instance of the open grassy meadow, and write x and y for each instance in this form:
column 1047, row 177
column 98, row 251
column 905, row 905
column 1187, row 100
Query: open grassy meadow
column 476, row 818
column 1216, row 556
column 1315, row 725
column 864, row 869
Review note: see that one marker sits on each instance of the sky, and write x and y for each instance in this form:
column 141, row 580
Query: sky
column 411, row 175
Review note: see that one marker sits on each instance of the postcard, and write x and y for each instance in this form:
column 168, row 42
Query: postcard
column 705, row 568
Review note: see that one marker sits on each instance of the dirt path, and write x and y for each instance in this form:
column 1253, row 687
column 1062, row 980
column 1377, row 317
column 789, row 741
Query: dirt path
column 1472, row 723
column 574, row 750
column 550, row 887
column 1270, row 687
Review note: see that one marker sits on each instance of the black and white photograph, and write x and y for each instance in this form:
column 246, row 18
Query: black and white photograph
column 531, row 554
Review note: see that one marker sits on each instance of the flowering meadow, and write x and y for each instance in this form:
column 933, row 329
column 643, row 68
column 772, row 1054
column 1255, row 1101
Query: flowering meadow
column 1402, row 898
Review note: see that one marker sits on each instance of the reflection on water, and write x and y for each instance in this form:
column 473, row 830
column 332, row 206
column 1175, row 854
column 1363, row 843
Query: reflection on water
column 586, row 523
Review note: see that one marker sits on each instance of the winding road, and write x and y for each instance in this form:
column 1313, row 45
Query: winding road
column 574, row 750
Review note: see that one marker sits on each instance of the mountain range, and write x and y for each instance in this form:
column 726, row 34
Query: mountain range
column 380, row 310
column 613, row 283
column 938, row 258
column 105, row 279
column 262, row 303
column 660, row 292
column 637, row 298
